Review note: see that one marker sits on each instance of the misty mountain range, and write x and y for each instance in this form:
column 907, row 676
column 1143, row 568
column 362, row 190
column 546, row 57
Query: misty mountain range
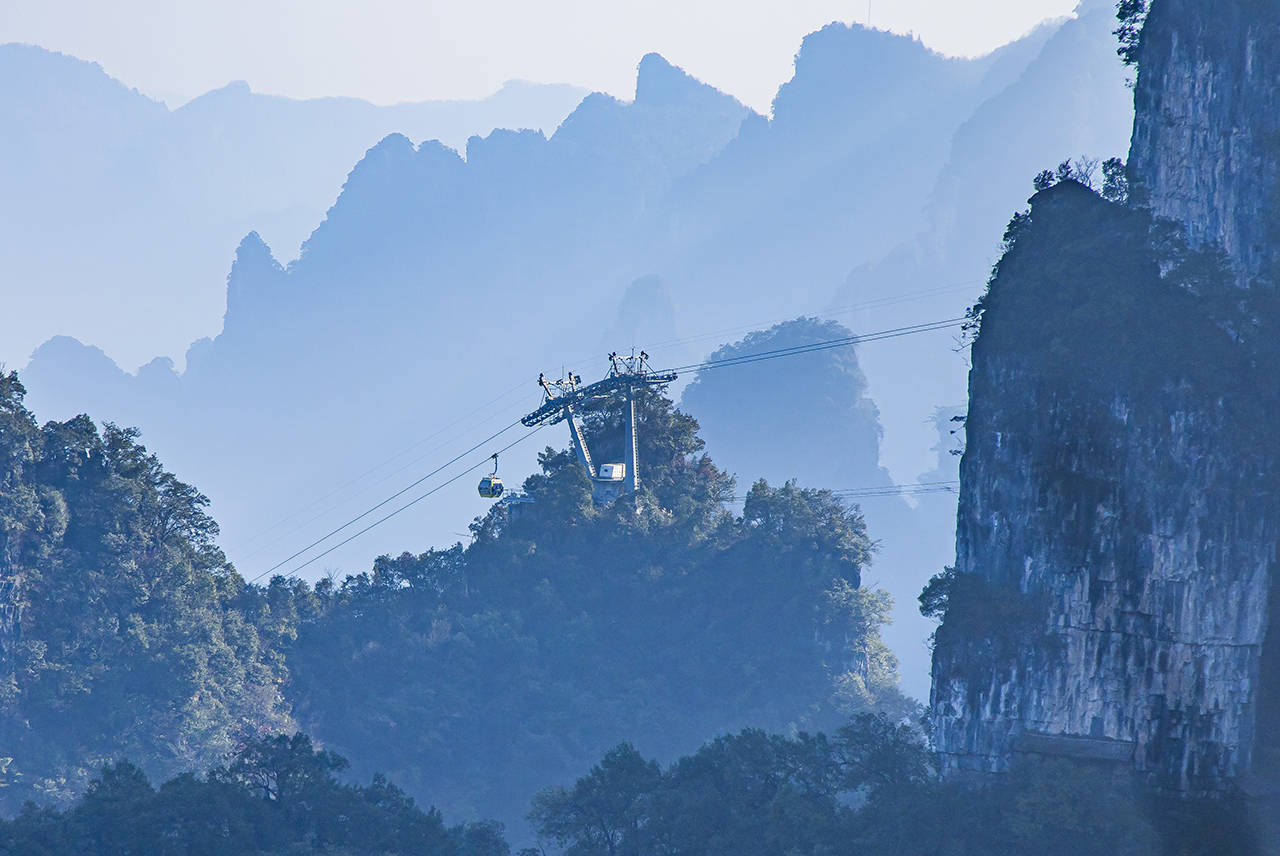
column 679, row 221
column 129, row 209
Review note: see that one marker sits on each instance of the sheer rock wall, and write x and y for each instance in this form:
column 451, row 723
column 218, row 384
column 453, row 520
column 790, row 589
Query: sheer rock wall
column 1120, row 499
column 1207, row 125
column 1150, row 544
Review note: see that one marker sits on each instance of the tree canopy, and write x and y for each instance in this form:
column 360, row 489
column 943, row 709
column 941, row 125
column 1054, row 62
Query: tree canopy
column 1132, row 15
column 279, row 795
column 475, row 675
column 869, row 788
column 122, row 627
column 470, row 675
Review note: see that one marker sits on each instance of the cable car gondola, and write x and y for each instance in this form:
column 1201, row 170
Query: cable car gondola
column 491, row 485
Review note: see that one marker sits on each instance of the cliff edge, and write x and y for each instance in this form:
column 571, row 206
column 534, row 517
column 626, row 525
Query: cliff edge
column 1118, row 521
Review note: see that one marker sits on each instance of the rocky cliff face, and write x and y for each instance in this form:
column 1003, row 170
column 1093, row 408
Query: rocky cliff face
column 1206, row 138
column 1118, row 516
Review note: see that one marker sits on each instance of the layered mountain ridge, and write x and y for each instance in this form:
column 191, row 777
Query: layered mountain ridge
column 436, row 281
column 152, row 200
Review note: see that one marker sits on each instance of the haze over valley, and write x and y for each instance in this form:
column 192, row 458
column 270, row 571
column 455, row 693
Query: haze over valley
column 880, row 466
column 674, row 222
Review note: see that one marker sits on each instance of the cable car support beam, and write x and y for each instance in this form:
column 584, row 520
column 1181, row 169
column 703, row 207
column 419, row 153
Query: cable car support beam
column 560, row 397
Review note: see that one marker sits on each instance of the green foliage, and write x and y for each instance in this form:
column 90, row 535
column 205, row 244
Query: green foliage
column 937, row 594
column 866, row 674
column 123, row 629
column 974, row 608
column 282, row 768
column 747, row 794
column 606, row 811
column 1048, row 807
column 1081, row 275
column 1115, row 181
column 279, row 796
column 871, row 789
column 984, row 621
column 476, row 675
column 1132, row 15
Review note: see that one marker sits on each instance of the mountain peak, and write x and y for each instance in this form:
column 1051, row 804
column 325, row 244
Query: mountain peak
column 249, row 285
column 254, row 253
column 845, row 67
column 660, row 82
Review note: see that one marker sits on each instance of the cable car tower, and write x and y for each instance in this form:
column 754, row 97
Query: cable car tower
column 561, row 397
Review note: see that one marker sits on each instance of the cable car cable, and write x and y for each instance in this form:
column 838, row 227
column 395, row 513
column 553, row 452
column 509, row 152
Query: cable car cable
column 411, row 503
column 739, row 360
column 375, row 468
column 875, row 303
column 745, row 359
column 334, row 507
column 398, row 493
column 811, row 347
column 912, row 489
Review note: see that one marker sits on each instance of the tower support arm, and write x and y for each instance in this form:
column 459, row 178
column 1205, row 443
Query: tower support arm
column 631, row 451
column 580, row 442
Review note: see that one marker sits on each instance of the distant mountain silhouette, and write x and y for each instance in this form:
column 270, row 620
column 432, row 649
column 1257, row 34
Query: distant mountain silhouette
column 429, row 277
column 128, row 208
column 1069, row 102
column 438, row 286
column 810, row 418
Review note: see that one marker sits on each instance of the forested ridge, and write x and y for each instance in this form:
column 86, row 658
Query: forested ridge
column 473, row 676
column 124, row 632
column 663, row 619
column 868, row 788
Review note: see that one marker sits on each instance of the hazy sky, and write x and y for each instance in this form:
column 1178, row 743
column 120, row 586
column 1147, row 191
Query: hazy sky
column 400, row 50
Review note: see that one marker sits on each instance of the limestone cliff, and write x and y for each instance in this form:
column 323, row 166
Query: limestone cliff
column 1118, row 512
column 1207, row 128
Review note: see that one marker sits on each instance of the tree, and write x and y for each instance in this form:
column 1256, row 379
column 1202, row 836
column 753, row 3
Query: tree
column 606, row 812
column 281, row 768
column 278, row 796
column 1115, row 181
column 864, row 671
column 123, row 629
column 1132, row 15
column 873, row 752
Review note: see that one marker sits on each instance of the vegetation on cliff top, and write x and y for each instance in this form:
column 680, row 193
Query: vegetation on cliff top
column 1094, row 291
column 479, row 674
column 1132, row 15
column 472, row 675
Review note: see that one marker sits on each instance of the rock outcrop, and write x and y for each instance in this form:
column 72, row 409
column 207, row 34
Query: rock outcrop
column 1118, row 520
column 1206, row 137
column 1119, row 517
